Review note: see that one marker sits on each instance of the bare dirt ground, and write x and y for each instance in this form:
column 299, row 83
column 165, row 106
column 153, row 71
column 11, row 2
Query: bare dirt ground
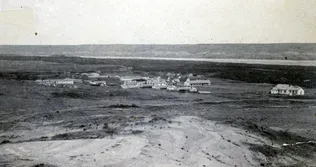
column 185, row 141
column 238, row 124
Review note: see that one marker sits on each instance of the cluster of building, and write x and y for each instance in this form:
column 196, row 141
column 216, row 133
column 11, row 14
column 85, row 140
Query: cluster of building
column 191, row 84
column 171, row 84
column 92, row 79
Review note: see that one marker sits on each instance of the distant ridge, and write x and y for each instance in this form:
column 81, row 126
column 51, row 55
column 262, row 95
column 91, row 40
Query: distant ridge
column 289, row 51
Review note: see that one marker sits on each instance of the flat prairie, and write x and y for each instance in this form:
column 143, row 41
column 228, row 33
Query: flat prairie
column 238, row 124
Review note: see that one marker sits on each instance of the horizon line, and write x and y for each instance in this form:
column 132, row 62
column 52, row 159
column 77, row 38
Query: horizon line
column 306, row 63
column 155, row 44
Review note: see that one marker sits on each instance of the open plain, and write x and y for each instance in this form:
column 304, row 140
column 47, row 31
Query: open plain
column 238, row 124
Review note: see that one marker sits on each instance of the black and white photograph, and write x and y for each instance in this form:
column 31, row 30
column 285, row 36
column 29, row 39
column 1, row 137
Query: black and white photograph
column 158, row 83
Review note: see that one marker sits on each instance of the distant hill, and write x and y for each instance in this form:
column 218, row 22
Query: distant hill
column 225, row 51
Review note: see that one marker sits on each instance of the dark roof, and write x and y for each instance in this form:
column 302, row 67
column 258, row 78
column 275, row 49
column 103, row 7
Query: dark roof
column 139, row 80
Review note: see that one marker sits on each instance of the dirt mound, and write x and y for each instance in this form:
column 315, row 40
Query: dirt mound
column 157, row 119
column 276, row 136
column 85, row 134
column 306, row 149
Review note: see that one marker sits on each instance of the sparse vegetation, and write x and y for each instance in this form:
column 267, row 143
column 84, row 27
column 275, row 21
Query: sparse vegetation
column 67, row 94
column 123, row 106
column 105, row 126
column 44, row 165
column 5, row 142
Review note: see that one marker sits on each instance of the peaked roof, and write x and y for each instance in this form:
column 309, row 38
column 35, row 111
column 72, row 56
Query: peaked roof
column 286, row 87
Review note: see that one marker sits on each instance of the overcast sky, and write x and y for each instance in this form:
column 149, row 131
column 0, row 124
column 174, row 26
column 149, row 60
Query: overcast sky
column 157, row 21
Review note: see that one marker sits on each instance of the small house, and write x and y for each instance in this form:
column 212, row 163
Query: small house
column 285, row 89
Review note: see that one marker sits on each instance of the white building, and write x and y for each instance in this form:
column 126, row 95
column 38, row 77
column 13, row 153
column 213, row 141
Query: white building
column 285, row 89
column 199, row 82
column 97, row 83
column 172, row 88
column 67, row 82
column 137, row 83
column 159, row 83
